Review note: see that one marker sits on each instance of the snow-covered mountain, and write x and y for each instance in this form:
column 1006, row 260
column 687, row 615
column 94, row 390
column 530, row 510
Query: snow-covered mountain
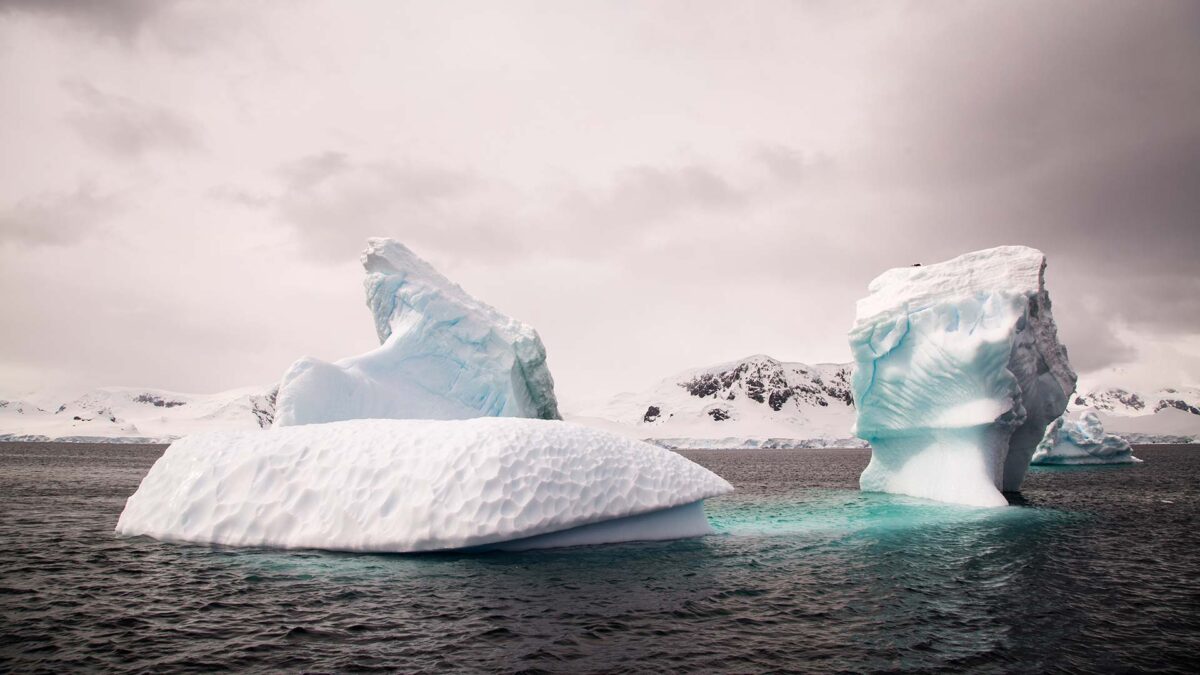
column 147, row 415
column 757, row 401
column 1150, row 415
column 1133, row 403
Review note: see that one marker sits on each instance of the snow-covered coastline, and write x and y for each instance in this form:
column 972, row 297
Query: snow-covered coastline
column 133, row 415
column 50, row 418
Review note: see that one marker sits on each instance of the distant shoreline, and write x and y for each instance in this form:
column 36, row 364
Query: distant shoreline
column 9, row 439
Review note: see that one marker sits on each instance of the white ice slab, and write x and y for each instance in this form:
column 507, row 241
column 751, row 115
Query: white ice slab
column 419, row 485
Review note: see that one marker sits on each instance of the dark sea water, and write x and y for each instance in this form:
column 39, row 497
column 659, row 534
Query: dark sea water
column 1095, row 570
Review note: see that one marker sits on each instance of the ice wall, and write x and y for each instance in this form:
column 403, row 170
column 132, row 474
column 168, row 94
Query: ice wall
column 443, row 355
column 958, row 371
column 1082, row 440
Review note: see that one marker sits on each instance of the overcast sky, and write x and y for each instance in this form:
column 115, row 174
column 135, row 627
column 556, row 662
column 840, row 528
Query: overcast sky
column 185, row 186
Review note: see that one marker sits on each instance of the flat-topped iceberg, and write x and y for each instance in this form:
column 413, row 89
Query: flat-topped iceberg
column 442, row 355
column 958, row 371
column 419, row 485
column 1082, row 440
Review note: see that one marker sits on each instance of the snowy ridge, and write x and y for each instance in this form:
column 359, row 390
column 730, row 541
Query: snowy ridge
column 1163, row 415
column 756, row 443
column 131, row 415
column 1124, row 402
column 419, row 485
column 38, row 418
column 757, row 401
column 443, row 355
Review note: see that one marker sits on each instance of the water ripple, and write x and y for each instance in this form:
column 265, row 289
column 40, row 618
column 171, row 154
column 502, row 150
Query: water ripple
column 1095, row 570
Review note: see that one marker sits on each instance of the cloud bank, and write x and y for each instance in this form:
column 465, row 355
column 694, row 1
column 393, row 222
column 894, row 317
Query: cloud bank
column 654, row 186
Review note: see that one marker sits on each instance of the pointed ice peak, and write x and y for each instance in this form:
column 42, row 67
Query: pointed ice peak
column 443, row 355
column 391, row 265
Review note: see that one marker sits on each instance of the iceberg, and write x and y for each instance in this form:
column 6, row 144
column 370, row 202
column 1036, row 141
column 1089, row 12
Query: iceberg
column 420, row 485
column 1082, row 441
column 958, row 371
column 442, row 355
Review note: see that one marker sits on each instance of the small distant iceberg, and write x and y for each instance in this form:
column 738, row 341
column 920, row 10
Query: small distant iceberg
column 443, row 355
column 1082, row 440
column 418, row 485
column 958, row 371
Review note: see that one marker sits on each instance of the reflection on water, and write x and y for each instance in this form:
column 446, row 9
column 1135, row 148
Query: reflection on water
column 852, row 513
column 1096, row 571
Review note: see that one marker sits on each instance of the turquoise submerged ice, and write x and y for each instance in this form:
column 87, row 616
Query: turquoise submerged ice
column 443, row 355
column 1082, row 441
column 958, row 371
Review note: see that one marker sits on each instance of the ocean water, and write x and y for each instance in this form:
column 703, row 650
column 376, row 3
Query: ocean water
column 1094, row 569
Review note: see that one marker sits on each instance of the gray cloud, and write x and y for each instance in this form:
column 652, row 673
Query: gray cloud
column 55, row 219
column 792, row 167
column 120, row 19
column 648, row 193
column 309, row 171
column 1071, row 127
column 645, row 193
column 334, row 202
column 232, row 194
column 1090, row 337
column 125, row 128
column 1079, row 82
column 699, row 182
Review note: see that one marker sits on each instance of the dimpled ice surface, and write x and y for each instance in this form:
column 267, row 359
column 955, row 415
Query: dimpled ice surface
column 420, row 485
column 443, row 355
column 958, row 371
column 1082, row 440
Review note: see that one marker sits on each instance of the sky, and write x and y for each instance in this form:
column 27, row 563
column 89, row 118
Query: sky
column 185, row 186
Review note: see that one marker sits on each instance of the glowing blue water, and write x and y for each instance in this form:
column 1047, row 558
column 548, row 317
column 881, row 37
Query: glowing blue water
column 1096, row 570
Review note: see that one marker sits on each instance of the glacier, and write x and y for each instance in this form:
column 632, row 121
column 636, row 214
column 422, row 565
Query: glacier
column 1082, row 440
column 442, row 355
column 957, row 372
column 419, row 485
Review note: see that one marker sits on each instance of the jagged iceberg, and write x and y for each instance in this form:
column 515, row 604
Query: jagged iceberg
column 958, row 371
column 442, row 355
column 419, row 485
column 1082, row 441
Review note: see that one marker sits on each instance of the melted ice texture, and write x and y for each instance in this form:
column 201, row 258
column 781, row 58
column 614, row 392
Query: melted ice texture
column 419, row 485
column 1082, row 441
column 958, row 371
column 443, row 355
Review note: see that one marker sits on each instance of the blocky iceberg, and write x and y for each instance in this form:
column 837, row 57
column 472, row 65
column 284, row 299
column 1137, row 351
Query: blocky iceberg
column 420, row 485
column 1082, row 440
column 958, row 371
column 442, row 355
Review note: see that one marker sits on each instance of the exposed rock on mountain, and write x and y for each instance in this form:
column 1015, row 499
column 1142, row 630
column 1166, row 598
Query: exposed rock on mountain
column 754, row 400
